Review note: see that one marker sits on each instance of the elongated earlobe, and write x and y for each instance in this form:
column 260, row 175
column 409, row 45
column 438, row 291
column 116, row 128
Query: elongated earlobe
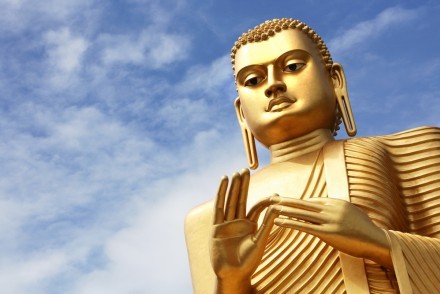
column 248, row 137
column 340, row 86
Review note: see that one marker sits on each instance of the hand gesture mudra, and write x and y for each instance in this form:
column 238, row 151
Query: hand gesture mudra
column 237, row 244
column 338, row 223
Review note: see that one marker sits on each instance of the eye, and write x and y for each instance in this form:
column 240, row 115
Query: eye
column 295, row 66
column 252, row 80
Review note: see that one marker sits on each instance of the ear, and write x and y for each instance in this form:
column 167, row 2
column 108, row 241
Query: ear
column 239, row 111
column 248, row 137
column 338, row 77
column 340, row 86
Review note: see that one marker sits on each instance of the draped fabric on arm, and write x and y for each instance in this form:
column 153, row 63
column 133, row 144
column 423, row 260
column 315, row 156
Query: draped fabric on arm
column 416, row 255
column 396, row 180
column 374, row 190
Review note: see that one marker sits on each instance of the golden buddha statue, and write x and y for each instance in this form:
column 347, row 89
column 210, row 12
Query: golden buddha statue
column 360, row 215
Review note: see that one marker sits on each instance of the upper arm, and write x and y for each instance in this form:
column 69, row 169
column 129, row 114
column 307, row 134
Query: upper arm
column 197, row 232
column 415, row 155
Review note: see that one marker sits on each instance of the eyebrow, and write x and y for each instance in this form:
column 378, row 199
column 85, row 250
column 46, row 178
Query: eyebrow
column 282, row 56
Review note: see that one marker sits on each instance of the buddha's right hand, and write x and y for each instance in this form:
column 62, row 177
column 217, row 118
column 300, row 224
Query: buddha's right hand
column 237, row 244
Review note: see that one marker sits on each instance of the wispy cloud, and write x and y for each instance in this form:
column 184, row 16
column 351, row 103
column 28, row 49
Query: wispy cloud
column 112, row 130
column 64, row 57
column 364, row 31
column 152, row 244
column 24, row 15
column 65, row 51
column 151, row 48
column 90, row 189
column 26, row 276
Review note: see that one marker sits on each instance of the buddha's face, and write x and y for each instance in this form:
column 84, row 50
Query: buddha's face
column 284, row 88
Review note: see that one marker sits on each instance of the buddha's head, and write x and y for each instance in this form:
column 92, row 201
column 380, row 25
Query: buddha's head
column 287, row 84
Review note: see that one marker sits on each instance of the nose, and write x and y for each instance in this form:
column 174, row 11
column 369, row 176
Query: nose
column 275, row 84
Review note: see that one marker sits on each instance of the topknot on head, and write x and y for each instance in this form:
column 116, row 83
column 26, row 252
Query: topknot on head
column 269, row 28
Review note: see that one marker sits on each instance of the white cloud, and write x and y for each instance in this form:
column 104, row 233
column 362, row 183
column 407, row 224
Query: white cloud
column 122, row 49
column 22, row 276
column 87, row 128
column 183, row 113
column 159, row 12
column 168, row 48
column 150, row 253
column 66, row 168
column 22, row 15
column 65, row 57
column 208, row 78
column 151, row 48
column 197, row 102
column 80, row 156
column 64, row 50
column 99, row 171
column 364, row 31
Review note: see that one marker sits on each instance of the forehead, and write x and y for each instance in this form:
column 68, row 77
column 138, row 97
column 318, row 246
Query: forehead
column 264, row 52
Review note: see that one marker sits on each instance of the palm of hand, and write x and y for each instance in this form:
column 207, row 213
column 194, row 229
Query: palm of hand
column 237, row 244
column 233, row 248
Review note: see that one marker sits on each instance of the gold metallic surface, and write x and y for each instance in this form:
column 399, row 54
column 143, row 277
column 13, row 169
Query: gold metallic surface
column 351, row 216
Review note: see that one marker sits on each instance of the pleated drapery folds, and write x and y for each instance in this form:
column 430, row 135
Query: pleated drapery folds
column 395, row 179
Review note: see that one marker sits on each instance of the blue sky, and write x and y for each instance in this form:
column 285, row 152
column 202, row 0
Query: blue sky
column 116, row 118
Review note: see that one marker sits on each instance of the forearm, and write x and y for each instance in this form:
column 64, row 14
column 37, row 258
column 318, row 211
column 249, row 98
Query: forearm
column 227, row 286
column 379, row 251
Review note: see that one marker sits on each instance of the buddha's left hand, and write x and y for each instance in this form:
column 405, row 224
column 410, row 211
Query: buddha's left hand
column 338, row 223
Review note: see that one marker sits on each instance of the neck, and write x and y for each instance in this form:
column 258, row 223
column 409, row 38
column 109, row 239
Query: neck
column 295, row 148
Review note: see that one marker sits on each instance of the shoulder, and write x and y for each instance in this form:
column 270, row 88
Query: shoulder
column 407, row 134
column 416, row 133
column 422, row 142
column 263, row 172
column 199, row 216
column 197, row 233
column 421, row 138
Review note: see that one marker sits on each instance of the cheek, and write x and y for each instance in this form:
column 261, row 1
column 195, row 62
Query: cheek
column 316, row 91
column 252, row 115
column 251, row 99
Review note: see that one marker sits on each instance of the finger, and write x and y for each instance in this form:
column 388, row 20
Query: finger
column 314, row 205
column 242, row 198
column 257, row 209
column 220, row 201
column 300, row 214
column 325, row 200
column 312, row 229
column 231, row 202
column 265, row 228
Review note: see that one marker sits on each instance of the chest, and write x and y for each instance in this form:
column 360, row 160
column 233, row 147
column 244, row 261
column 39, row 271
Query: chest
column 299, row 181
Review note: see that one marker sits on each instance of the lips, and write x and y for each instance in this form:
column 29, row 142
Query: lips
column 279, row 103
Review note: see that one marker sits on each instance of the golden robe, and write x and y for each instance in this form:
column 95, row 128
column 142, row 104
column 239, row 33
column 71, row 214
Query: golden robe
column 395, row 179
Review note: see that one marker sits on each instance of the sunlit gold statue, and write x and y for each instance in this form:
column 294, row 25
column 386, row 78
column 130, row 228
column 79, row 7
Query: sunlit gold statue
column 325, row 216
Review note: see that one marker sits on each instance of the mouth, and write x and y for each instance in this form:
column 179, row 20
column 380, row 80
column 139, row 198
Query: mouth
column 279, row 104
